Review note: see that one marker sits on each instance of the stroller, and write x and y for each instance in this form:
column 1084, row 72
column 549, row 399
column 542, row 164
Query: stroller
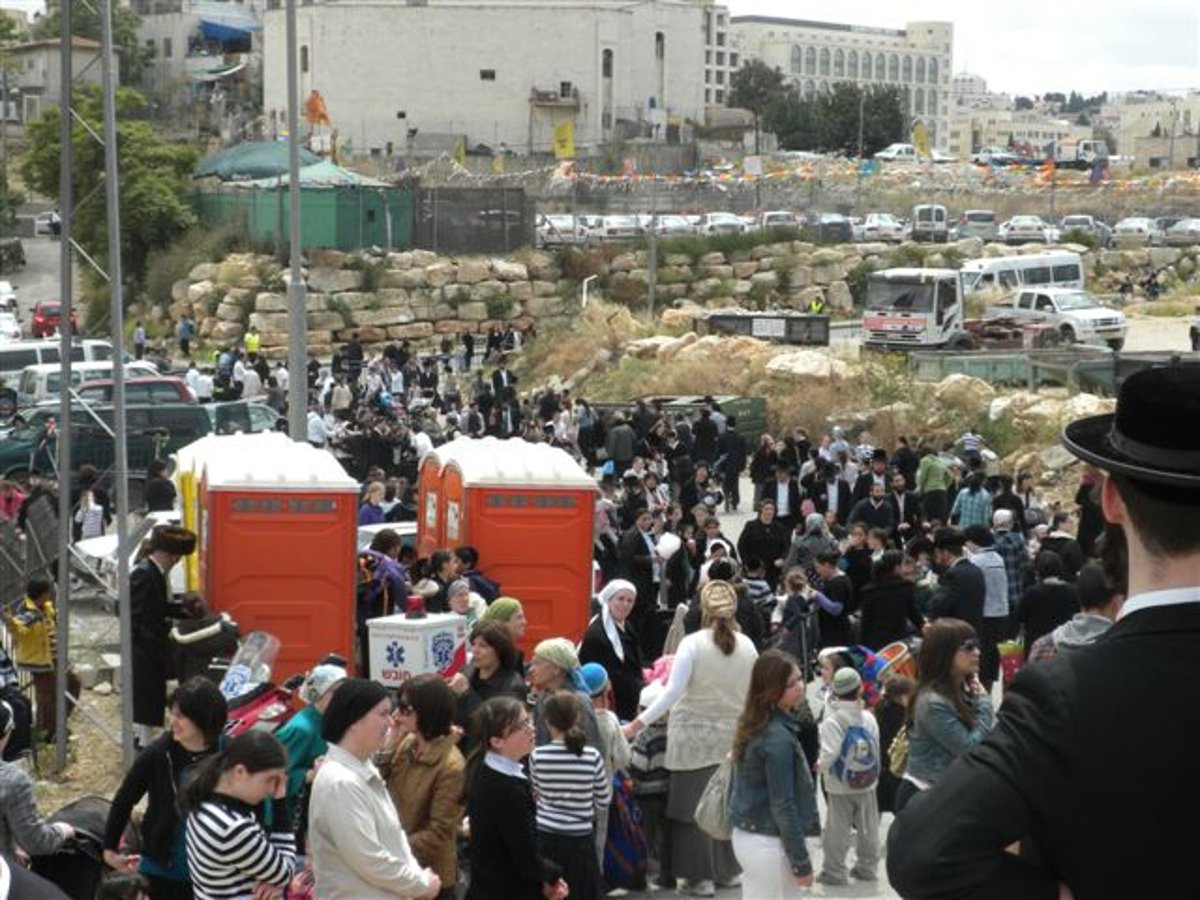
column 78, row 867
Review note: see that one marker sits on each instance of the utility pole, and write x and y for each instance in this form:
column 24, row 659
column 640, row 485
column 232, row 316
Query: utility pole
column 112, row 198
column 296, row 290
column 652, row 249
column 862, row 102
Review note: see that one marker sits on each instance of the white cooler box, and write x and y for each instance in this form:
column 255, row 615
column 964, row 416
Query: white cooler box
column 402, row 648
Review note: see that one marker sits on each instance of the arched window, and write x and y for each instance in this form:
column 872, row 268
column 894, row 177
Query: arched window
column 797, row 59
column 824, row 70
column 906, row 74
column 839, row 64
column 919, row 102
column 893, row 67
column 852, row 64
column 880, row 67
column 920, row 69
column 933, row 71
column 932, row 103
column 866, row 67
column 606, row 64
column 810, row 60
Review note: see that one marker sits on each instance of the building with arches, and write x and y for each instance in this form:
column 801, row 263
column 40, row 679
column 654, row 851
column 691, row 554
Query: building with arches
column 814, row 55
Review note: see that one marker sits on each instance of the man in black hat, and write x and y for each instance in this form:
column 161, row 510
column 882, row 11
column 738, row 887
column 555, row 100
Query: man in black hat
column 961, row 588
column 1097, row 802
column 151, row 608
column 876, row 474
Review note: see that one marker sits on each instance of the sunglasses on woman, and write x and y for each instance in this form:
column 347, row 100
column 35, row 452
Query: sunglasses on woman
column 970, row 645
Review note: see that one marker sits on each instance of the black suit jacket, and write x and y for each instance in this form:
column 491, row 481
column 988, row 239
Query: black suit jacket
column 862, row 486
column 960, row 594
column 883, row 516
column 795, row 496
column 1087, row 792
column 912, row 510
column 818, row 491
column 498, row 381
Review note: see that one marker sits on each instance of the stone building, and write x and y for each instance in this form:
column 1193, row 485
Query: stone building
column 815, row 55
column 502, row 73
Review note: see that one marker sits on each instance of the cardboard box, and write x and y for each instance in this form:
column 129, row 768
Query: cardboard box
column 402, row 648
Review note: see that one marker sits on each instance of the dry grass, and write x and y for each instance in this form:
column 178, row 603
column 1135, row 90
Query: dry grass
column 93, row 761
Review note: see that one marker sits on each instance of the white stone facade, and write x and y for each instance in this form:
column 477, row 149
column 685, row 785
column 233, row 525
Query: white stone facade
column 497, row 72
column 815, row 55
column 721, row 58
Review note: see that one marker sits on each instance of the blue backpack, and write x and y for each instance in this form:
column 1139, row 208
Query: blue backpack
column 857, row 764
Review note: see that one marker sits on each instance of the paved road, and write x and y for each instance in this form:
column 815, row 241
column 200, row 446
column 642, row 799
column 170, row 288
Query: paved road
column 39, row 279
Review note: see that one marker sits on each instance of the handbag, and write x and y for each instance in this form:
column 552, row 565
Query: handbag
column 712, row 812
column 898, row 753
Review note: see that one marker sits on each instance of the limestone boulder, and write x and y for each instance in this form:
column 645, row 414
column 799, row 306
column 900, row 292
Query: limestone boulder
column 765, row 281
column 316, row 302
column 227, row 332
column 827, row 273
column 1082, row 405
column 423, row 258
column 179, row 290
column 624, row 262
column 330, row 281
column 544, row 289
column 485, row 290
column 269, row 323
column 872, row 249
column 827, row 256
column 799, row 277
column 648, row 347
column 540, row 306
column 204, row 272
column 384, row 316
column 230, row 312
column 800, row 299
column 838, row 296
column 412, row 332
column 807, row 365
column 1055, row 458
column 675, row 346
column 356, row 300
column 520, row 291
column 968, row 248
column 712, row 259
column 406, row 279
column 456, row 293
column 473, row 311
column 329, row 321
column 964, row 392
column 370, row 334
column 201, row 290
column 745, row 269
column 1161, row 257
column 327, row 258
column 399, row 261
column 473, row 271
column 540, row 265
column 271, row 303
column 509, row 270
column 723, row 272
column 677, row 259
column 440, row 273
column 742, row 289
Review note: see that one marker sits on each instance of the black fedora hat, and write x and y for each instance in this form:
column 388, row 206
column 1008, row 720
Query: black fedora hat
column 1151, row 437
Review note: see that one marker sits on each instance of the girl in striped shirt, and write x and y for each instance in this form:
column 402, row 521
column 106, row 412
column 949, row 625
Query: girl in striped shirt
column 231, row 856
column 571, row 783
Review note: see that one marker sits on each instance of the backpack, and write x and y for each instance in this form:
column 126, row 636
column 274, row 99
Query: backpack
column 898, row 753
column 370, row 592
column 857, row 763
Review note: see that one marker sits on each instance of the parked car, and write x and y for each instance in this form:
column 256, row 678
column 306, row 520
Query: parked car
column 831, row 228
column 898, row 153
column 10, row 328
column 977, row 223
column 1025, row 230
column 930, row 223
column 721, row 223
column 246, row 416
column 1164, row 223
column 778, row 218
column 1184, row 233
column 882, row 227
column 995, row 156
column 8, row 296
column 47, row 316
column 673, row 226
column 45, row 222
column 1089, row 224
column 1137, row 230
column 142, row 389
column 620, row 228
column 557, row 230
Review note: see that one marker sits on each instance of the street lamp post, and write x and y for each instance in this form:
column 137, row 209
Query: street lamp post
column 862, row 103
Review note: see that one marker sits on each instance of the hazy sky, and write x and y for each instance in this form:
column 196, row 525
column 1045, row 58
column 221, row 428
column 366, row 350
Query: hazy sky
column 1035, row 46
column 1026, row 46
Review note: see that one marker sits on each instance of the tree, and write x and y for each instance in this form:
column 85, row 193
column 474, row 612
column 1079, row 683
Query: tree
column 1022, row 103
column 1101, row 133
column 829, row 122
column 754, row 87
column 132, row 54
column 154, row 177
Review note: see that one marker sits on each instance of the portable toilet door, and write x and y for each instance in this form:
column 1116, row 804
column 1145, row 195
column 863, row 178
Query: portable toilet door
column 528, row 510
column 279, row 530
column 430, row 531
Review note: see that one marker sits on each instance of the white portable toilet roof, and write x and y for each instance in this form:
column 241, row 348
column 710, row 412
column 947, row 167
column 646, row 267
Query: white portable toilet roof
column 513, row 463
column 193, row 457
column 271, row 461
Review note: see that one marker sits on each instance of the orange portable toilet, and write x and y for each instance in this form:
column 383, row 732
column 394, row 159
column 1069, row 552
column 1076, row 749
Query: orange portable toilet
column 278, row 525
column 430, row 534
column 527, row 508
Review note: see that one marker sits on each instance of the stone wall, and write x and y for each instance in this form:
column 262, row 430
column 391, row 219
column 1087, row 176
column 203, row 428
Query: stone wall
column 418, row 295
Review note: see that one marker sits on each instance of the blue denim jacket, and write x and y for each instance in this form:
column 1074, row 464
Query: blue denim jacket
column 773, row 790
column 937, row 736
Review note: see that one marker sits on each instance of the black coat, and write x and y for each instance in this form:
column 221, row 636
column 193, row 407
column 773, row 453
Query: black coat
column 764, row 542
column 1046, row 777
column 731, row 453
column 505, row 862
column 1068, row 550
column 818, row 492
column 151, row 609
column 795, row 496
column 886, row 605
column 881, row 516
column 625, row 676
column 503, row 683
column 1045, row 606
column 704, row 440
column 959, row 595
column 911, row 516
column 835, row 631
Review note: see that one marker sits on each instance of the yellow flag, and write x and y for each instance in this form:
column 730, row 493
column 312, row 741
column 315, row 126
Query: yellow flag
column 920, row 139
column 498, row 165
column 460, row 151
column 564, row 139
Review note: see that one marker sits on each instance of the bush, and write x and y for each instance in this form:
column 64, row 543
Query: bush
column 199, row 245
column 578, row 263
column 1079, row 236
column 629, row 293
column 907, row 255
column 498, row 306
column 856, row 281
column 372, row 271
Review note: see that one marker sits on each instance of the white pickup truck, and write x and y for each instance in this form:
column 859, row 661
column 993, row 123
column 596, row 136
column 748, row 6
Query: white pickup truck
column 1075, row 314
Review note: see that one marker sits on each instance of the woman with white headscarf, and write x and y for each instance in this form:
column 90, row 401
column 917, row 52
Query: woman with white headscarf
column 611, row 642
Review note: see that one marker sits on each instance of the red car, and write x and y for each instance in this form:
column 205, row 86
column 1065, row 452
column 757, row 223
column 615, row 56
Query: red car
column 47, row 316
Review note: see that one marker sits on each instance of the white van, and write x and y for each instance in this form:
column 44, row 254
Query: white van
column 1061, row 269
column 17, row 356
column 43, row 382
column 929, row 223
